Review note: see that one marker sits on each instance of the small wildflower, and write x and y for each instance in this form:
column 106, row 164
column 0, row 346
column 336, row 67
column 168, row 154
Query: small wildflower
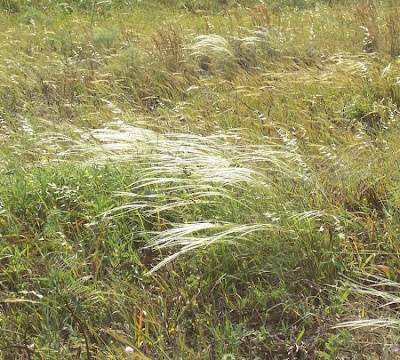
column 129, row 350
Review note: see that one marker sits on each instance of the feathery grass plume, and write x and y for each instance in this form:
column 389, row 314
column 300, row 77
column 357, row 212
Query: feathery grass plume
column 211, row 43
column 212, row 159
column 260, row 46
column 270, row 39
column 370, row 324
column 213, row 52
column 315, row 214
column 383, row 293
column 189, row 178
column 168, row 198
column 185, row 236
column 291, row 145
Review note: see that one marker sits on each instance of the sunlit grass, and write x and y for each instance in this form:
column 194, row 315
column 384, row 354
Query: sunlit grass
column 195, row 181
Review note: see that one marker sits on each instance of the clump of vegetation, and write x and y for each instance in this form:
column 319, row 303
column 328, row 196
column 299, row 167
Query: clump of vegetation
column 201, row 181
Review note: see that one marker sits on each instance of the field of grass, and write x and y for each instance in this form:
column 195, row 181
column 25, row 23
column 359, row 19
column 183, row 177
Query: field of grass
column 199, row 179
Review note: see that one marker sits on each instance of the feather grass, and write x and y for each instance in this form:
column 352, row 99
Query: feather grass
column 180, row 237
column 376, row 289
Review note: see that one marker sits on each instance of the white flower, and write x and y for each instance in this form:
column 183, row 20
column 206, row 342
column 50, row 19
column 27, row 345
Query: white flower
column 128, row 349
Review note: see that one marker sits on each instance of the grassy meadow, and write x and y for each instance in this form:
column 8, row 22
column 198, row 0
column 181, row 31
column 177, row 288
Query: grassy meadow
column 209, row 179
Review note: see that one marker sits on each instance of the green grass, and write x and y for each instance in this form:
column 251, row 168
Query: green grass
column 207, row 181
